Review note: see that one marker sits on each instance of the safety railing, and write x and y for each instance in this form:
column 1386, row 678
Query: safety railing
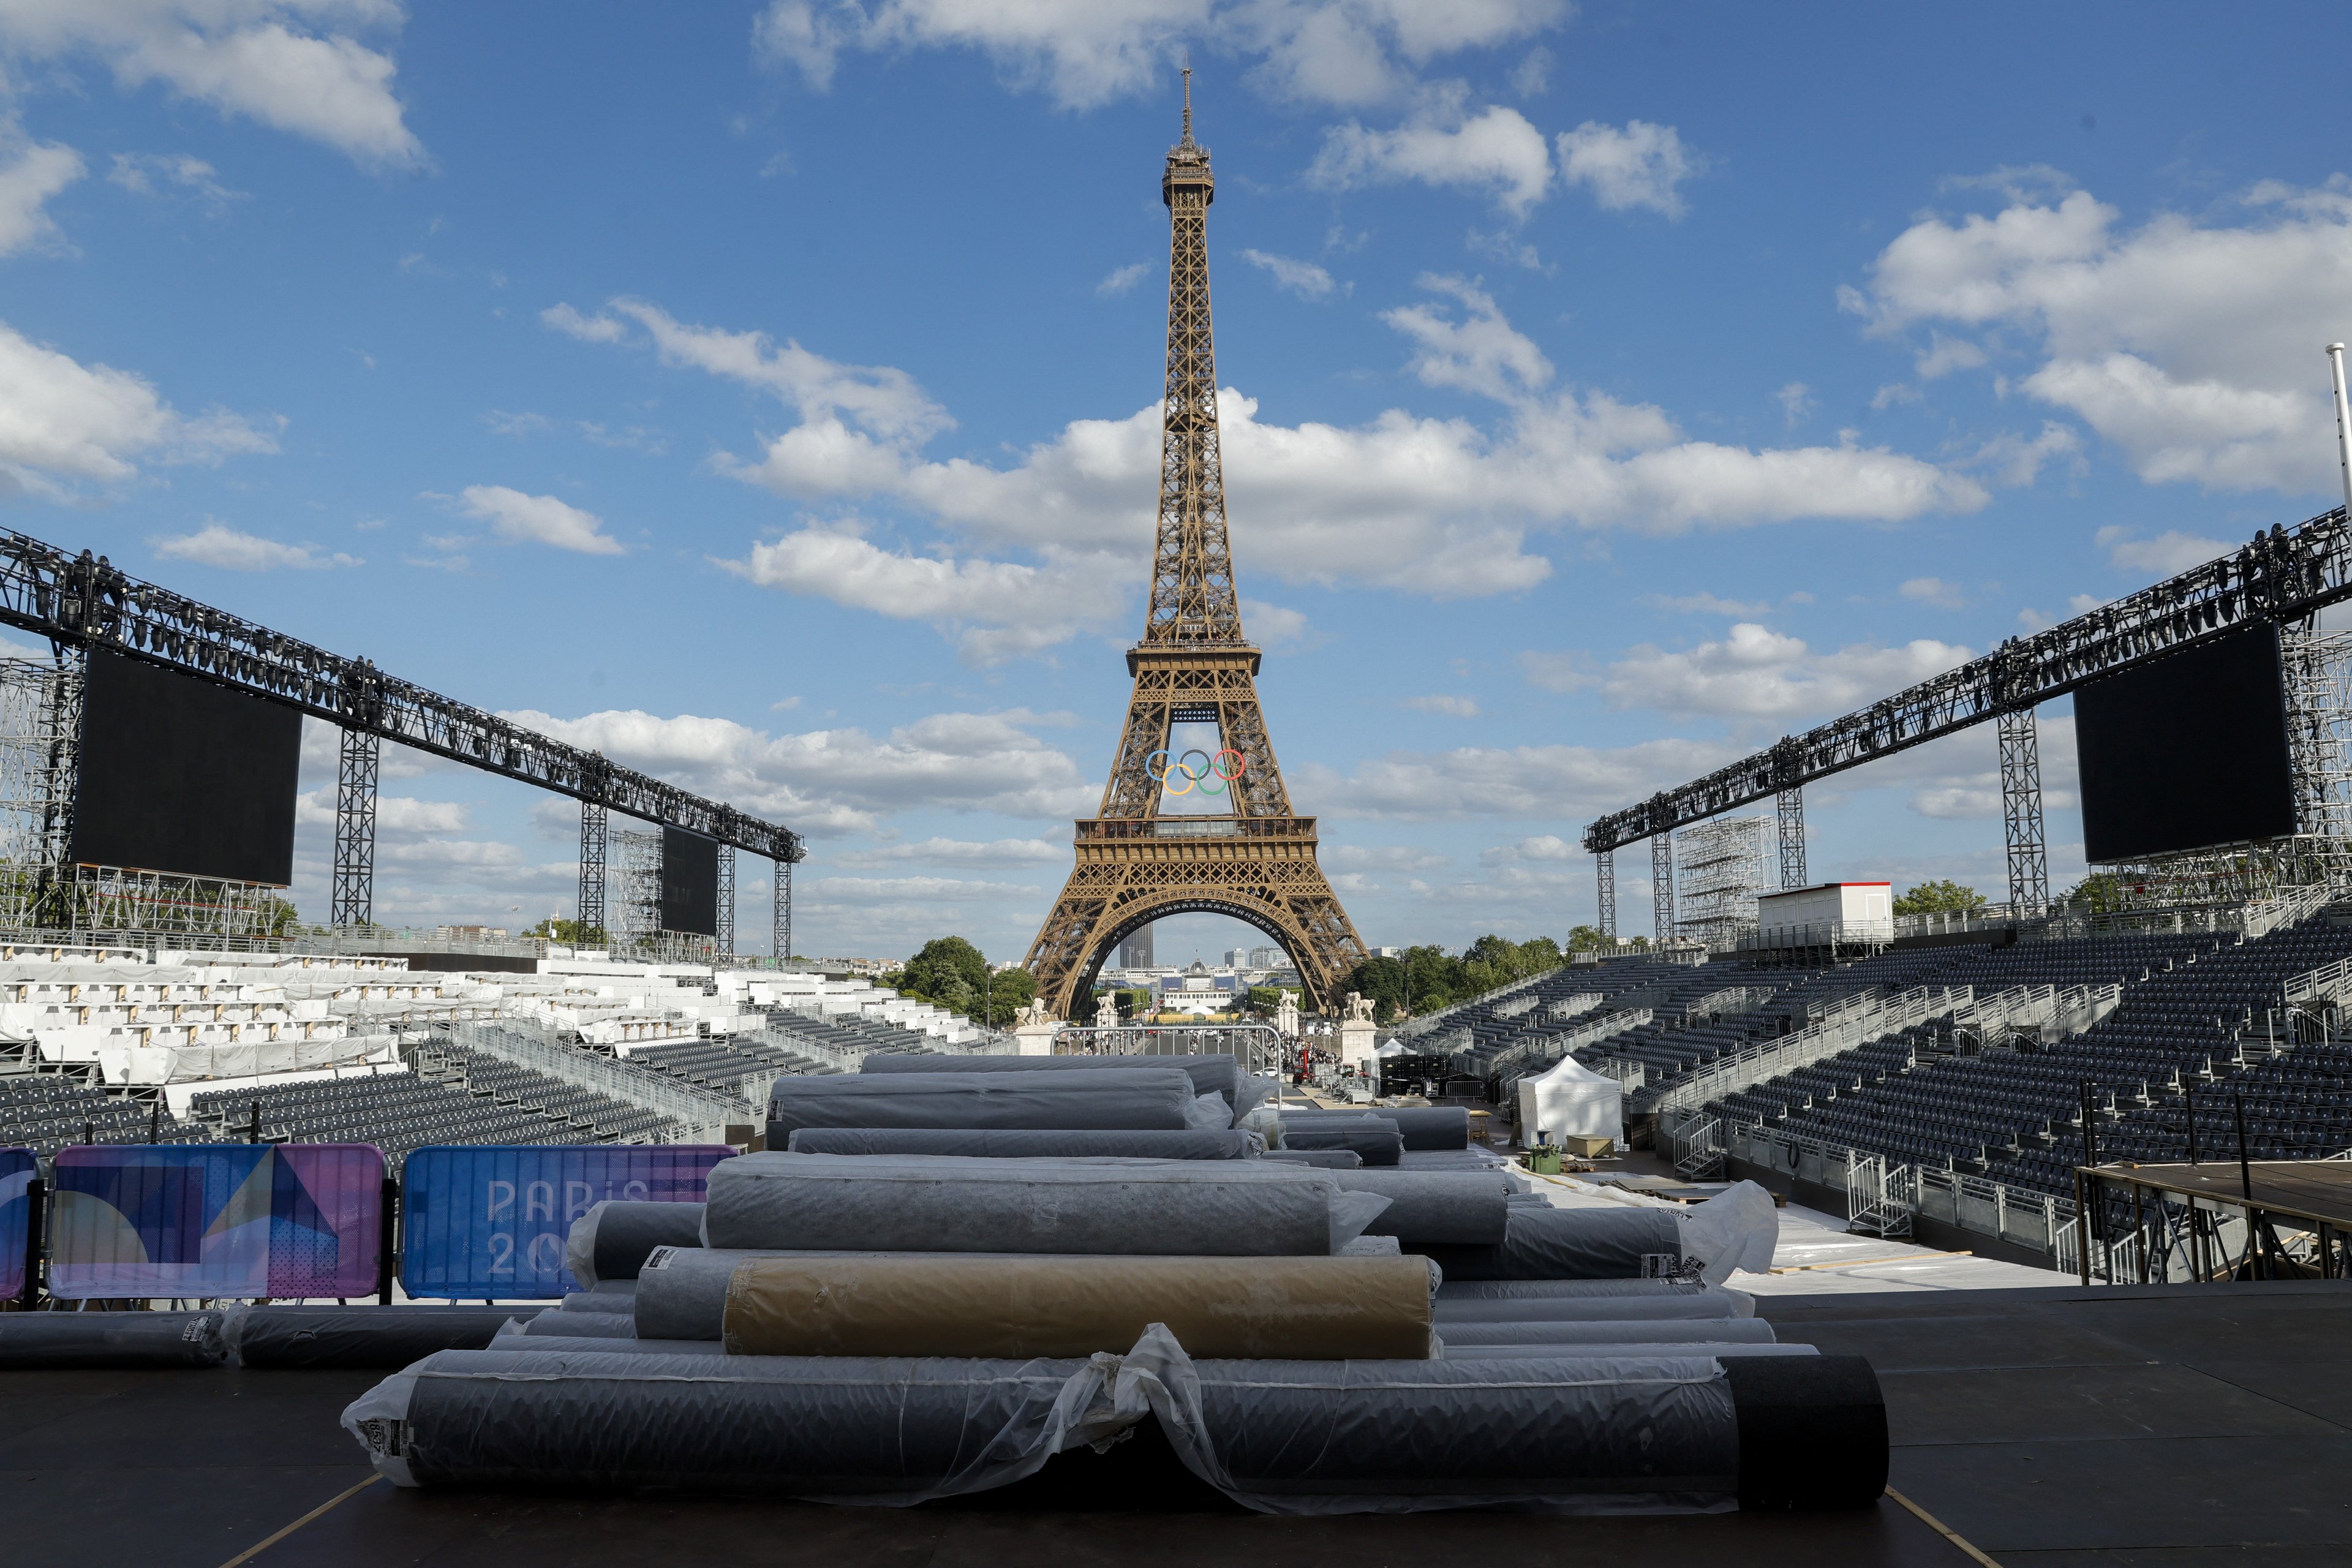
column 1856, row 1020
column 704, row 1114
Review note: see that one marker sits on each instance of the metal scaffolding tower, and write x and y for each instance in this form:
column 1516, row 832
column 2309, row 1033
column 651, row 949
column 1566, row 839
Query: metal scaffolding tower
column 1792, row 838
column 2020, row 812
column 635, row 904
column 726, row 933
column 1722, row 871
column 1604, row 873
column 1662, row 888
column 591, row 873
column 357, row 768
column 40, row 747
column 784, row 913
column 2317, row 667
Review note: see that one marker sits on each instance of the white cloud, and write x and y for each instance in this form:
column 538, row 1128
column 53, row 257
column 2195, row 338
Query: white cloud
column 2015, row 461
column 2193, row 346
column 140, row 171
column 33, row 172
column 1756, row 673
column 1453, row 707
column 930, row 890
column 1706, row 604
column 960, row 852
column 1567, row 669
column 397, row 816
column 1273, row 625
column 1933, row 591
column 1355, row 857
column 844, row 780
column 1482, row 353
column 1303, row 279
column 1542, row 847
column 536, row 520
column 1494, row 151
column 1944, row 355
column 1120, row 279
column 1797, row 403
column 1540, row 783
column 2169, row 554
column 61, row 421
column 1083, row 53
column 587, row 329
column 217, row 545
column 1640, row 166
column 292, row 65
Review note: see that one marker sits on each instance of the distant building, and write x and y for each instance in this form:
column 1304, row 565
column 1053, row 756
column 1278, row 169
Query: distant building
column 1135, row 953
column 1200, row 990
column 470, row 934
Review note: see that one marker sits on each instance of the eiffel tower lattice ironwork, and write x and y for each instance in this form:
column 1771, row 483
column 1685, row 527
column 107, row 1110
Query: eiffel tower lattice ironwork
column 1194, row 666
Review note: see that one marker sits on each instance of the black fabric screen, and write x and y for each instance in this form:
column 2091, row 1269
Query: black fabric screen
column 2186, row 751
column 690, row 874
column 183, row 777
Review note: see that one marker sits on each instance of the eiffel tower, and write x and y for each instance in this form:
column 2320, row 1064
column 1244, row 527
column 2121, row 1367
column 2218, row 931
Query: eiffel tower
column 1256, row 863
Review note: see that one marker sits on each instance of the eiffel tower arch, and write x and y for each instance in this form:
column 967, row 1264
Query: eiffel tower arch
column 1255, row 862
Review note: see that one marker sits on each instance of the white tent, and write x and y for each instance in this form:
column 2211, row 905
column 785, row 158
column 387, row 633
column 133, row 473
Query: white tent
column 1570, row 1101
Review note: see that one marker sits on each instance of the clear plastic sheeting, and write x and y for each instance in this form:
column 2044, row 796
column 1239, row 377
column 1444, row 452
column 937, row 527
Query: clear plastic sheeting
column 1321, row 1309
column 1373, row 1141
column 1132, row 1096
column 316, row 1337
column 1716, row 1350
column 1033, row 1143
column 1184, row 1208
column 1319, row 1159
column 613, row 1239
column 1692, row 1308
column 1468, row 1206
column 1422, row 1127
column 1566, row 1243
column 1218, row 1074
column 1613, row 1331
column 1737, row 1229
column 1503, row 1290
column 62, row 1341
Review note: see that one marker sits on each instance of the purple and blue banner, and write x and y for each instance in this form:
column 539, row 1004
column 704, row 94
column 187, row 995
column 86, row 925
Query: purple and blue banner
column 236, row 1220
column 488, row 1221
column 17, row 1171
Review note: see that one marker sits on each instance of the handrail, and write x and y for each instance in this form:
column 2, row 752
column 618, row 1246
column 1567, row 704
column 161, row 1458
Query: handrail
column 1839, row 1030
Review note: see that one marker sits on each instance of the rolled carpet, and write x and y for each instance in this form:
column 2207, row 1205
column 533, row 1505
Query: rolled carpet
column 357, row 1336
column 1424, row 1126
column 79, row 1341
column 1030, row 1143
column 1174, row 1207
column 608, row 1347
column 1563, row 1244
column 581, row 1325
column 1323, row 1309
column 611, row 1295
column 1136, row 1098
column 1215, row 1074
column 1611, row 1331
column 1717, row 1348
column 1587, row 1309
column 1524, row 1290
column 611, row 1241
column 1466, row 1208
column 1319, row 1159
column 1374, row 1143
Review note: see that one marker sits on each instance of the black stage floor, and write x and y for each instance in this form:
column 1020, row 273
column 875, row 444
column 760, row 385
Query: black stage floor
column 2171, row 1426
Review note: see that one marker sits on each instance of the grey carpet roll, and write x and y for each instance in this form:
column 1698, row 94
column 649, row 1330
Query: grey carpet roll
column 1374, row 1143
column 1425, row 1127
column 1585, row 1309
column 1319, row 1159
column 612, row 1239
column 613, row 1295
column 1175, row 1207
column 682, row 1294
column 1593, row 1352
column 583, row 1325
column 320, row 1337
column 853, row 1429
column 1466, row 1208
column 77, row 1340
column 1613, row 1331
column 1566, row 1243
column 1448, row 1160
column 1214, row 1074
column 1135, row 1098
column 1029, row 1143
column 1512, row 1289
column 607, row 1347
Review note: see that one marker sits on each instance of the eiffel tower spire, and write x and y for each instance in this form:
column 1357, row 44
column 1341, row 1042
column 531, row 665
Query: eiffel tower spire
column 1194, row 665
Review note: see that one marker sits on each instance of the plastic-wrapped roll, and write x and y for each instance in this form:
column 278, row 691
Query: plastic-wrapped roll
column 1812, row 1432
column 1716, row 1349
column 583, row 1325
column 1587, row 1309
column 356, row 1336
column 1466, row 1208
column 1566, row 1243
column 612, row 1240
column 1031, row 1143
column 1174, row 1208
column 682, row 1295
column 1373, row 1142
column 841, row 1427
column 1614, row 1330
column 611, row 1295
column 1332, row 1309
column 1424, row 1126
column 1448, row 1160
column 1523, row 1289
column 1131, row 1098
column 75, row 1341
column 1319, row 1159
column 518, row 1341
column 1215, row 1074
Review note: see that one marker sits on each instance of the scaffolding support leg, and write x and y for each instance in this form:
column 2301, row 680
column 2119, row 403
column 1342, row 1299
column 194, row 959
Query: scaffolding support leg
column 1604, row 872
column 726, row 933
column 2020, row 812
column 784, row 913
column 1662, row 887
column 358, row 771
column 1793, row 838
column 591, row 872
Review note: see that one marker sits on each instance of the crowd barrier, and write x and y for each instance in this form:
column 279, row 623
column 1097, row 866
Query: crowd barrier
column 308, row 1221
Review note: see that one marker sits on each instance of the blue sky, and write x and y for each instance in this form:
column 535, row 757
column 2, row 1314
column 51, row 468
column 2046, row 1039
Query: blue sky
column 764, row 393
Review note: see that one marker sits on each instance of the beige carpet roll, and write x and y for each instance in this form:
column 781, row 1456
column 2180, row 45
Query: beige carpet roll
column 1297, row 1309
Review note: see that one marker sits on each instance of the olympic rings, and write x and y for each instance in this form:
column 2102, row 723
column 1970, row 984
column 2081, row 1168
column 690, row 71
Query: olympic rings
column 1224, row 767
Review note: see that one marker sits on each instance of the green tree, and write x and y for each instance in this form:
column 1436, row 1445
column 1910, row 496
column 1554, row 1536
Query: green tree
column 1265, row 998
column 1938, row 898
column 1584, row 939
column 2101, row 893
column 570, row 934
column 1007, row 994
column 947, row 973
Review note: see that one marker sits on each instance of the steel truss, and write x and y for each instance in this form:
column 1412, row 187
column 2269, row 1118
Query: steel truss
column 2283, row 576
column 1604, row 871
column 726, row 933
column 1791, row 810
column 1662, row 888
column 2020, row 812
column 83, row 603
column 357, row 771
column 592, row 835
column 782, row 935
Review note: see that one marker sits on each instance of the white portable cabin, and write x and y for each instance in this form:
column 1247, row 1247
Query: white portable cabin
column 1828, row 910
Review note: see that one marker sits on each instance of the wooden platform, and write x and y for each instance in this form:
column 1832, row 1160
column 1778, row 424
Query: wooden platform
column 2318, row 1192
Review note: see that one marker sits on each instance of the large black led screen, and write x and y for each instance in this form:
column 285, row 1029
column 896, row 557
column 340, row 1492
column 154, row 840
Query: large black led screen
column 2187, row 751
column 183, row 777
column 689, row 882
